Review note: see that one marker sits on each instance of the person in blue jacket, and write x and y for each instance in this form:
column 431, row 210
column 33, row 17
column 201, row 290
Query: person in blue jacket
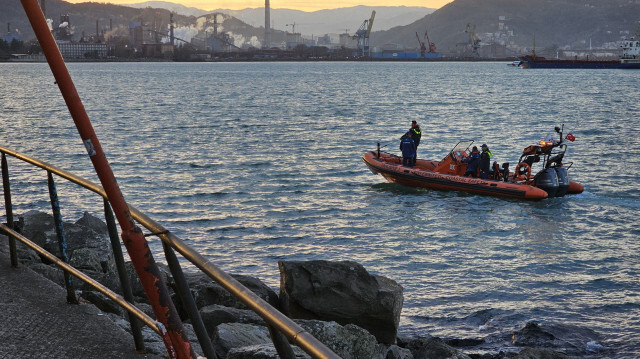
column 473, row 160
column 408, row 148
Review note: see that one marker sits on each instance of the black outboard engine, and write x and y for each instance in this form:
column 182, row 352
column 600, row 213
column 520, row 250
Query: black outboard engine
column 563, row 181
column 547, row 179
column 505, row 171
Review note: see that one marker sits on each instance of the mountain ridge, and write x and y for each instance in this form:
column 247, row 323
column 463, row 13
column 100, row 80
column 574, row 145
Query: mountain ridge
column 309, row 23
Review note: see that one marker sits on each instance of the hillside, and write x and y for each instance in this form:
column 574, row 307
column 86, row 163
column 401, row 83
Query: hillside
column 573, row 23
column 311, row 23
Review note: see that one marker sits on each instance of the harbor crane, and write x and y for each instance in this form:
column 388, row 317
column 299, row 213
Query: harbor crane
column 474, row 41
column 363, row 35
column 423, row 44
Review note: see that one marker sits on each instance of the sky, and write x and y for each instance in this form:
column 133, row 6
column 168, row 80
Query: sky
column 304, row 5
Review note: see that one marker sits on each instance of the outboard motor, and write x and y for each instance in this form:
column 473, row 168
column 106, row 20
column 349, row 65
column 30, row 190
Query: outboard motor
column 505, row 171
column 547, row 179
column 563, row 181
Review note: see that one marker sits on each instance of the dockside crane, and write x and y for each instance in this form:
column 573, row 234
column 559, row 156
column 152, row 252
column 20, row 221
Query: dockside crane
column 363, row 35
column 474, row 41
column 423, row 44
column 423, row 47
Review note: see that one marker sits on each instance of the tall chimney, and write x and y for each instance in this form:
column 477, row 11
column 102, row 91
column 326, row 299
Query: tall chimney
column 8, row 28
column 110, row 24
column 97, row 31
column 171, row 29
column 267, row 25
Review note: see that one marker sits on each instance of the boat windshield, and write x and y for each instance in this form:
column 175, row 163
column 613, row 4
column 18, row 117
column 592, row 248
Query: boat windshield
column 461, row 147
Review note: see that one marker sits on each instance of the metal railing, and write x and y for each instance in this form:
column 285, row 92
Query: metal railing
column 282, row 329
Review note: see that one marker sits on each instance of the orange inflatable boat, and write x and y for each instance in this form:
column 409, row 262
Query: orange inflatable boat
column 447, row 174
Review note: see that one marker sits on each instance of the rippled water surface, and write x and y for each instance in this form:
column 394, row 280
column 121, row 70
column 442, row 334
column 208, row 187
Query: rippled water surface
column 258, row 162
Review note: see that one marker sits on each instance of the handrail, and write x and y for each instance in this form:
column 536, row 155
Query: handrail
column 85, row 278
column 271, row 315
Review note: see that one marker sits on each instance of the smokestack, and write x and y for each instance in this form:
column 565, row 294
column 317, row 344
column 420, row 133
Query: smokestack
column 97, row 31
column 8, row 28
column 110, row 24
column 267, row 25
column 171, row 28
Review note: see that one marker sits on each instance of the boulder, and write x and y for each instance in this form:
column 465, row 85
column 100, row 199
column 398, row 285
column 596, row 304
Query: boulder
column 262, row 351
column 343, row 292
column 93, row 223
column 538, row 353
column 214, row 315
column 349, row 341
column 433, row 348
column 136, row 286
column 569, row 339
column 394, row 352
column 207, row 292
column 236, row 335
column 40, row 228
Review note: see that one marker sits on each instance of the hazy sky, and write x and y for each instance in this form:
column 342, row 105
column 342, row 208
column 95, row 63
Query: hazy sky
column 304, row 5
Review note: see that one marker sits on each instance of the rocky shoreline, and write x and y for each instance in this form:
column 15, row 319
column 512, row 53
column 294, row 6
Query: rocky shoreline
column 356, row 314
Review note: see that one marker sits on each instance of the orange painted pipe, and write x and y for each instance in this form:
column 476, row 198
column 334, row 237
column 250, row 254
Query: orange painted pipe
column 137, row 246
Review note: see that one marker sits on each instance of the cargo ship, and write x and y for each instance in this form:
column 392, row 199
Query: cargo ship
column 630, row 59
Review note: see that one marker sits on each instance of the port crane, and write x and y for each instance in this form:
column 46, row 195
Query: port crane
column 474, row 41
column 423, row 46
column 363, row 35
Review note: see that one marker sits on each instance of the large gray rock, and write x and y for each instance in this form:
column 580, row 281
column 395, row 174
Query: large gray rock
column 433, row 348
column 262, row 351
column 236, row 335
column 207, row 292
column 537, row 353
column 394, row 352
column 214, row 315
column 349, row 341
column 40, row 228
column 569, row 339
column 343, row 292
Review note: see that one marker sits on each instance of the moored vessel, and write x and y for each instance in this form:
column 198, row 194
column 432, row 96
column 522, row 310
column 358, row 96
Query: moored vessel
column 630, row 59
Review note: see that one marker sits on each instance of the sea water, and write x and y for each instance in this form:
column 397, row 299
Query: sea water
column 252, row 163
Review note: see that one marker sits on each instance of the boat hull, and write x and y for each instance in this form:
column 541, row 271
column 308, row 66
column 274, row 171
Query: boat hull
column 543, row 63
column 390, row 167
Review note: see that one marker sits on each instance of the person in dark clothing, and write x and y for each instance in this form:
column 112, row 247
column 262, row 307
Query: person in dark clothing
column 472, row 160
column 416, row 134
column 408, row 148
column 485, row 162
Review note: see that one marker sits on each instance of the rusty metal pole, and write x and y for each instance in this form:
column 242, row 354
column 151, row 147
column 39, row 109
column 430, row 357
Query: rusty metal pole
column 173, row 334
column 9, row 208
column 62, row 241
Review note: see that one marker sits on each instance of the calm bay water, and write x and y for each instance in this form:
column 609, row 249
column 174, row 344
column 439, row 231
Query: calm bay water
column 258, row 162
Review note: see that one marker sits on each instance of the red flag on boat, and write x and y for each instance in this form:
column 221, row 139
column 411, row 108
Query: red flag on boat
column 570, row 137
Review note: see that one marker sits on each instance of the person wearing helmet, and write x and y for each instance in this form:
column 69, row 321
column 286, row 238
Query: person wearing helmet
column 485, row 161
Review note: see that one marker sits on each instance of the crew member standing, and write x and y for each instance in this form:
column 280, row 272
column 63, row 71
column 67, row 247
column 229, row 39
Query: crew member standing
column 408, row 148
column 485, row 162
column 416, row 134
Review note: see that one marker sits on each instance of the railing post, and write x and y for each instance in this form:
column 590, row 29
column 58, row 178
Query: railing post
column 125, row 284
column 9, row 209
column 62, row 242
column 184, row 292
